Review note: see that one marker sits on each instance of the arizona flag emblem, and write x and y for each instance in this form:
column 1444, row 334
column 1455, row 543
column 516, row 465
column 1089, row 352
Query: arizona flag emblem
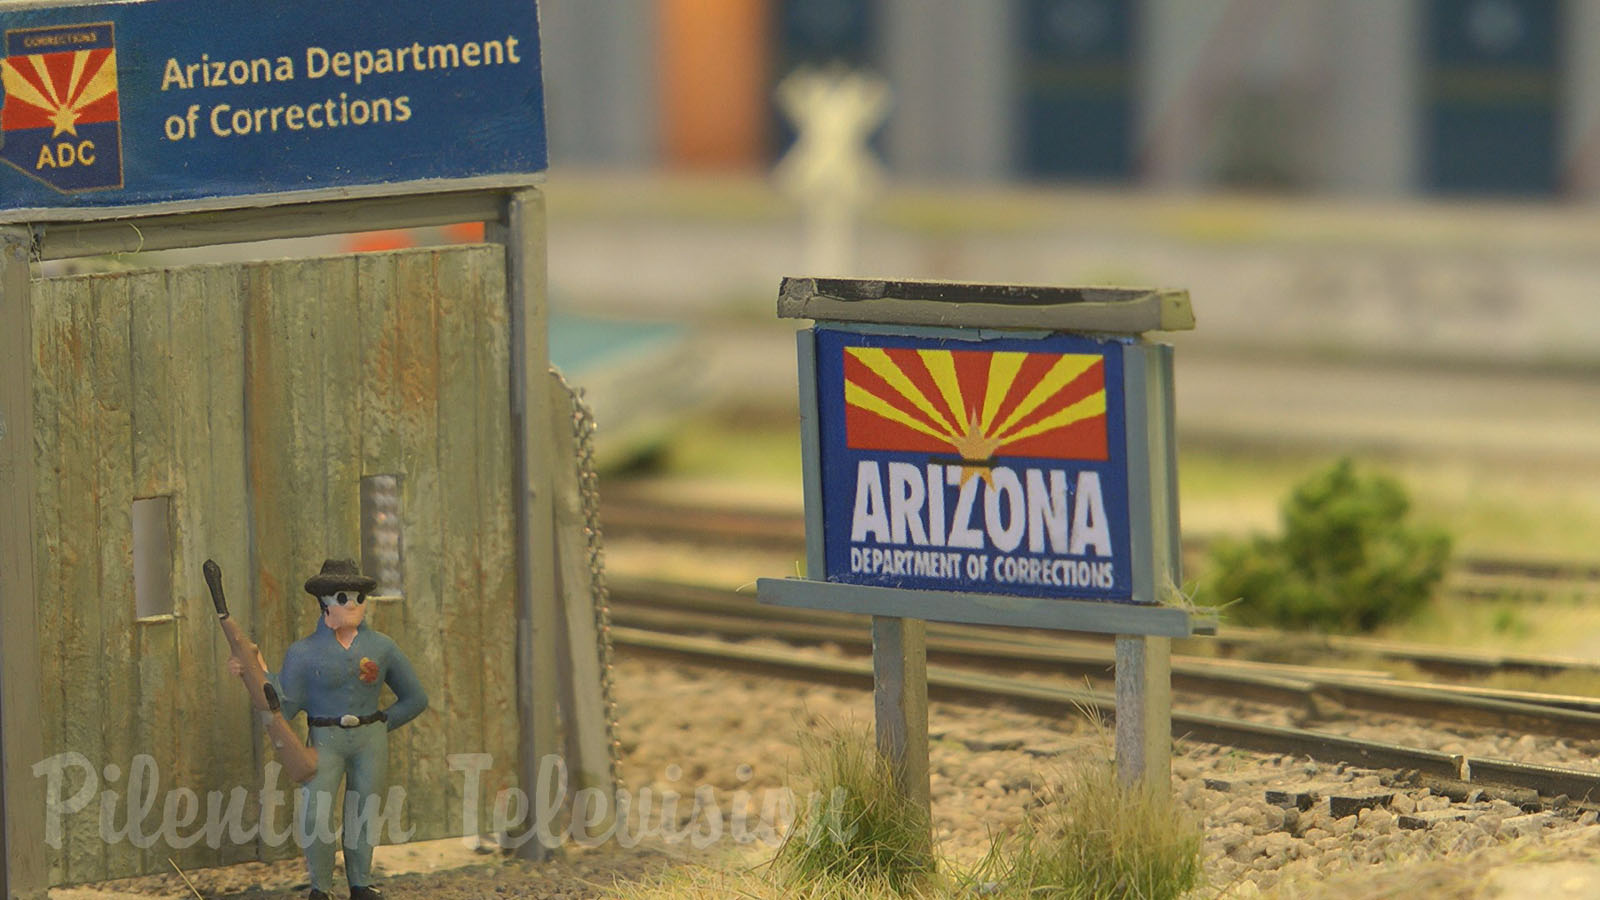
column 60, row 121
column 976, row 404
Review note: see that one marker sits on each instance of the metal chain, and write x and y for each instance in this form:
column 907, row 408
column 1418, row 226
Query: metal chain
column 583, row 429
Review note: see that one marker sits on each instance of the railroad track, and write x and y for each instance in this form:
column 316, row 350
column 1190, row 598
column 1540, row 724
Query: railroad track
column 1560, row 785
column 633, row 514
column 692, row 609
column 669, row 620
column 630, row 512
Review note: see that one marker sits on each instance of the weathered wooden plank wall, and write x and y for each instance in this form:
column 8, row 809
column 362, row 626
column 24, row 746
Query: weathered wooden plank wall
column 24, row 869
column 417, row 294
column 155, row 728
column 139, row 381
column 53, row 388
column 497, row 549
column 413, row 382
column 212, row 522
column 380, row 405
column 256, row 397
column 73, row 598
column 108, row 608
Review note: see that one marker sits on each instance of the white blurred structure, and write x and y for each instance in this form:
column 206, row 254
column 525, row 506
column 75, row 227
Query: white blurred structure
column 830, row 171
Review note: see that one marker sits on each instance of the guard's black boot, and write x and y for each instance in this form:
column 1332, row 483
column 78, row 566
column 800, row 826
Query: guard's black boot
column 365, row 893
column 317, row 895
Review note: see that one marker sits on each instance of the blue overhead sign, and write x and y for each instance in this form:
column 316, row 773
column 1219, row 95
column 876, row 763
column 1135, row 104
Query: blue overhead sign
column 109, row 106
column 994, row 466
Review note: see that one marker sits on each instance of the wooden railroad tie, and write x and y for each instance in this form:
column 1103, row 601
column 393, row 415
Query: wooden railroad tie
column 1343, row 798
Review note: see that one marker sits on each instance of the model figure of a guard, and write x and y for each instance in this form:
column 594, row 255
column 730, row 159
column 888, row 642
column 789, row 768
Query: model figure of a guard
column 336, row 675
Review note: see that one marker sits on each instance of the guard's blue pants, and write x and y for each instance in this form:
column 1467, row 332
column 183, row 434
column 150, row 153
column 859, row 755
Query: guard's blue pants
column 360, row 757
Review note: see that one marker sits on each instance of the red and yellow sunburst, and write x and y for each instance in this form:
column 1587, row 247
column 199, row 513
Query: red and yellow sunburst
column 977, row 404
column 59, row 90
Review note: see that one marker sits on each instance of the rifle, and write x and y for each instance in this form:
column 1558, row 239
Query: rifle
column 299, row 760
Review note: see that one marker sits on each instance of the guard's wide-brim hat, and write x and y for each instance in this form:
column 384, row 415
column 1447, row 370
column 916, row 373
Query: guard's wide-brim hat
column 339, row 575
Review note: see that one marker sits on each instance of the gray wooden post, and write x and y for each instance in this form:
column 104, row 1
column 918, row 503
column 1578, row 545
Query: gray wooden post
column 22, row 858
column 1144, row 709
column 522, row 231
column 583, row 702
column 1144, row 668
column 900, row 700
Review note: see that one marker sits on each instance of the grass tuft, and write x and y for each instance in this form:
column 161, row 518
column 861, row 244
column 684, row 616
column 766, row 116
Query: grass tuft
column 1095, row 839
column 852, row 826
column 704, row 882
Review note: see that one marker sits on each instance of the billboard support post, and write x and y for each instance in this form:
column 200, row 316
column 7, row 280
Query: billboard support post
column 995, row 455
column 900, row 702
column 1144, row 708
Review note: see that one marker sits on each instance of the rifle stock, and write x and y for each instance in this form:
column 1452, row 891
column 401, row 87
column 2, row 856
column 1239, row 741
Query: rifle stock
column 299, row 761
column 248, row 655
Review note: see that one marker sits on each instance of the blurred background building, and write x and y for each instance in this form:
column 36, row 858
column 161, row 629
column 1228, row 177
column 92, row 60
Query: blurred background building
column 1394, row 98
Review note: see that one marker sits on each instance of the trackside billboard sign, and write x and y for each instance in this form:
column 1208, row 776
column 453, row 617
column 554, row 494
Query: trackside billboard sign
column 994, row 466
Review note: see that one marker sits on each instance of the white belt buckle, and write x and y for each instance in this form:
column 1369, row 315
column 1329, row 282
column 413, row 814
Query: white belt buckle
column 349, row 721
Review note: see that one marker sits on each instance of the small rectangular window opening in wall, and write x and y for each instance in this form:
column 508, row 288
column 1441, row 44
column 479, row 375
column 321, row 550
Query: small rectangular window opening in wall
column 382, row 544
column 152, row 557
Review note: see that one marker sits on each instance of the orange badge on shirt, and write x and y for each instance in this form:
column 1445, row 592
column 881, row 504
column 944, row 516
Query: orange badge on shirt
column 369, row 670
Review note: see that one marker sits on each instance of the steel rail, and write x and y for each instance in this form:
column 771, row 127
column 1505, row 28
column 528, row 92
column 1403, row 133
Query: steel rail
column 1231, row 639
column 967, row 687
column 630, row 510
column 652, row 597
column 683, row 608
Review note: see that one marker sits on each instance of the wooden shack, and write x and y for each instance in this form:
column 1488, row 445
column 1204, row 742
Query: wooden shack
column 394, row 407
column 253, row 401
column 253, row 406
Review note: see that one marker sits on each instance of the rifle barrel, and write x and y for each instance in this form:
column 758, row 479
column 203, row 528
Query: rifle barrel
column 213, row 573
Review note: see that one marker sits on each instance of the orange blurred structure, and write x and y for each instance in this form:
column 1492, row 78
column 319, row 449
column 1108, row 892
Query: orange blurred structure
column 376, row 241
column 464, row 233
column 403, row 238
column 714, row 80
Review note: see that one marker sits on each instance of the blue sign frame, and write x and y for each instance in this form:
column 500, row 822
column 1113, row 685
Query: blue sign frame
column 958, row 461
column 112, row 108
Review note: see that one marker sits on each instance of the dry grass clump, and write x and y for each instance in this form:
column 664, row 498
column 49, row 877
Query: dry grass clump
column 1096, row 839
column 855, row 837
column 765, row 883
column 851, row 825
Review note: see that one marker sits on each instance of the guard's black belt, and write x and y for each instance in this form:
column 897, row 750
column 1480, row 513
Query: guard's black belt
column 346, row 721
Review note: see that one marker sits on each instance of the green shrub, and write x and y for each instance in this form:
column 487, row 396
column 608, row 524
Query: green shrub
column 1097, row 839
column 1347, row 560
column 851, row 824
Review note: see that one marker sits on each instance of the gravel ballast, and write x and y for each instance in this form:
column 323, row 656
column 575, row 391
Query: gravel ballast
column 730, row 740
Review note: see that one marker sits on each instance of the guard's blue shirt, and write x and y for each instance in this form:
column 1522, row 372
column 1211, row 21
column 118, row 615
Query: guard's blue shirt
column 325, row 678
